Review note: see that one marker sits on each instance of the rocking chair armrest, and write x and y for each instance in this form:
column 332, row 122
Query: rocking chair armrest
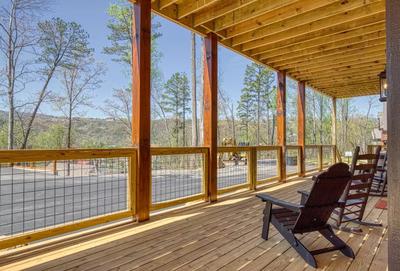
column 288, row 205
column 304, row 196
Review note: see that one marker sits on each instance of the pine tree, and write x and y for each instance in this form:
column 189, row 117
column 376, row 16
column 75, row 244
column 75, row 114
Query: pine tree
column 176, row 101
column 258, row 95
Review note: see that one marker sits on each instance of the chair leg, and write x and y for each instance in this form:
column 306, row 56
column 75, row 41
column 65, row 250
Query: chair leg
column 266, row 220
column 295, row 243
column 337, row 242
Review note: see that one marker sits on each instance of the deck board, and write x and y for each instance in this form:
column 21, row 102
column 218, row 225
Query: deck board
column 220, row 236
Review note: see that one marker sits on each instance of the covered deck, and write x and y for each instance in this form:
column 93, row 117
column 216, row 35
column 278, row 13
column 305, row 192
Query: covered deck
column 221, row 236
column 336, row 47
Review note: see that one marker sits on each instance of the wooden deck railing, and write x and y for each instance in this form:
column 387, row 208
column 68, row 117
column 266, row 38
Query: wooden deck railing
column 45, row 193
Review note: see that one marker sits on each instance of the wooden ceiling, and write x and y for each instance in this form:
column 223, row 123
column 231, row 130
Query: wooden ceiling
column 337, row 47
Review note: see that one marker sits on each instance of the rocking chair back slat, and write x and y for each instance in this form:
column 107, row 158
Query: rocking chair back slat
column 357, row 191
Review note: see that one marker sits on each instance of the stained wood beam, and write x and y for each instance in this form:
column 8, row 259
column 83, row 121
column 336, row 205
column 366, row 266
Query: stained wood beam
column 189, row 7
column 141, row 63
column 275, row 15
column 351, row 70
column 336, row 84
column 220, row 9
column 281, row 40
column 319, row 40
column 281, row 119
column 315, row 19
column 166, row 3
column 369, row 45
column 330, row 44
column 211, row 109
column 327, row 68
column 301, row 123
column 338, row 62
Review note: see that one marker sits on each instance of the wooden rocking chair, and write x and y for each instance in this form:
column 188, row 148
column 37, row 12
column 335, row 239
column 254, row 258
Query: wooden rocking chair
column 311, row 215
column 379, row 183
column 363, row 168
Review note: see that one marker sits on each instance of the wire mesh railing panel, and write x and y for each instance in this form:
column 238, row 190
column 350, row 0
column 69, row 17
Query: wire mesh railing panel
column 311, row 158
column 45, row 194
column 292, row 160
column 267, row 164
column 176, row 176
column 232, row 169
column 327, row 158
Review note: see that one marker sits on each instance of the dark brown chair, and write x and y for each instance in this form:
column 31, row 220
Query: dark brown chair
column 355, row 196
column 311, row 215
column 379, row 183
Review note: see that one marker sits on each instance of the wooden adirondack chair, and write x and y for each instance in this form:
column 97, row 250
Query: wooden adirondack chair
column 311, row 215
column 379, row 183
column 363, row 168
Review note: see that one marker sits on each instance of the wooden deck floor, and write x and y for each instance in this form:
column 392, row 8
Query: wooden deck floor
column 221, row 236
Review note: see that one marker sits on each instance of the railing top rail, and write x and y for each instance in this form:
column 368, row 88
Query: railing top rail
column 15, row 156
column 267, row 148
column 234, row 148
column 177, row 150
column 294, row 147
column 318, row 145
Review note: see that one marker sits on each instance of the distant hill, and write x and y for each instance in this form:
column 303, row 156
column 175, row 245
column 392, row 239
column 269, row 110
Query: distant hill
column 96, row 131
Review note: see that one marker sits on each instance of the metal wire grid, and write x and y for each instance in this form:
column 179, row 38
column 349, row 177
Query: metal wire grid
column 311, row 158
column 292, row 158
column 232, row 169
column 267, row 164
column 40, row 195
column 327, row 155
column 176, row 176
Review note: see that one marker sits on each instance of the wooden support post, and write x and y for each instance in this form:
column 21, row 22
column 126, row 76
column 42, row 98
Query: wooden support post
column 252, row 168
column 393, row 118
column 320, row 158
column 301, row 125
column 211, row 110
column 334, row 130
column 281, row 121
column 141, row 63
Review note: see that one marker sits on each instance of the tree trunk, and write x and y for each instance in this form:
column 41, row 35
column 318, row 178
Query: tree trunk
column 195, row 138
column 37, row 106
column 11, row 79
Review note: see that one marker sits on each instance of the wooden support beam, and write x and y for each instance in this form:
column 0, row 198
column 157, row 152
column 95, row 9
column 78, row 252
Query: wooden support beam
column 301, row 123
column 281, row 40
column 189, row 7
column 141, row 63
column 334, row 129
column 220, row 9
column 314, row 20
column 281, row 119
column 393, row 117
column 211, row 109
column 321, row 40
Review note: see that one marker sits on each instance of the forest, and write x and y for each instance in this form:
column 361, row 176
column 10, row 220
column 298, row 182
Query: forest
column 51, row 63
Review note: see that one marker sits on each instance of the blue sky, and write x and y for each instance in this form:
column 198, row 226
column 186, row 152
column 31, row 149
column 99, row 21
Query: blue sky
column 175, row 45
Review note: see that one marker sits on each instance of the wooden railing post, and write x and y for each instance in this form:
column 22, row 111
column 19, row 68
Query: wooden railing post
column 141, row 93
column 333, row 154
column 281, row 121
column 320, row 158
column 252, row 168
column 301, row 124
column 210, row 97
